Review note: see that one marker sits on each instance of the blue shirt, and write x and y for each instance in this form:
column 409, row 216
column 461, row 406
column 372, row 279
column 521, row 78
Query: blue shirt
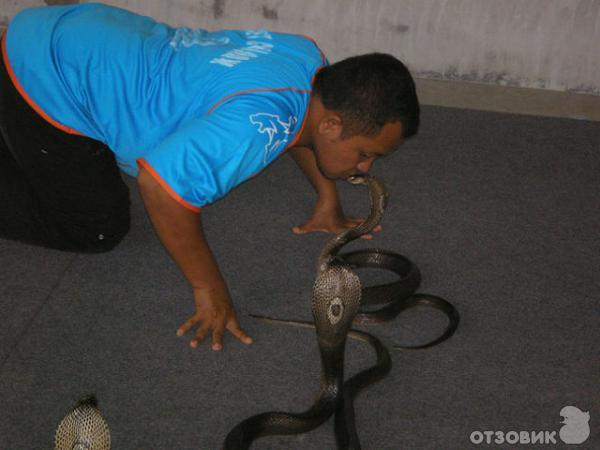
column 202, row 111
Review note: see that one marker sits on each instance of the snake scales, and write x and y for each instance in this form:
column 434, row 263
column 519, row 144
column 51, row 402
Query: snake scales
column 337, row 301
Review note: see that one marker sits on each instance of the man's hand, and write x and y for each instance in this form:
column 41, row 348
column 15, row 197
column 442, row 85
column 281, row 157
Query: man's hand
column 214, row 311
column 181, row 232
column 328, row 215
column 331, row 220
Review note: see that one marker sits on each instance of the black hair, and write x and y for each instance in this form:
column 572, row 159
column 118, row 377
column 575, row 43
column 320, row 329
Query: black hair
column 369, row 91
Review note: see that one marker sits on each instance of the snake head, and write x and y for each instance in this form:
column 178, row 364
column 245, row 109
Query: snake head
column 379, row 196
column 359, row 178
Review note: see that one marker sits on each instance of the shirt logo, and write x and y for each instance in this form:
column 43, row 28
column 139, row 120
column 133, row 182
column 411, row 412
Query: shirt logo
column 252, row 49
column 186, row 37
column 276, row 129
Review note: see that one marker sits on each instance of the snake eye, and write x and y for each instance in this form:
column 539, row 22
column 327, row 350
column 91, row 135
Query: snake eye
column 335, row 311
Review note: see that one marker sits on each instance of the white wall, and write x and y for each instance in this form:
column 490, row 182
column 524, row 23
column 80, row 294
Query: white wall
column 549, row 44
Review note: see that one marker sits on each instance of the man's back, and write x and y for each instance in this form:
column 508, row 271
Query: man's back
column 130, row 81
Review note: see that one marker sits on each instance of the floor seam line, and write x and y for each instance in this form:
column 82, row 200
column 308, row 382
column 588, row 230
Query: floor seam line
column 32, row 319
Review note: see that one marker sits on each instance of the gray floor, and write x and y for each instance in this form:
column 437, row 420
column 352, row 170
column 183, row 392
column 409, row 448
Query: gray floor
column 502, row 215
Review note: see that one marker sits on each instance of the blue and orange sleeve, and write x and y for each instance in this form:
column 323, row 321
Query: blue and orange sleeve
column 209, row 156
column 142, row 163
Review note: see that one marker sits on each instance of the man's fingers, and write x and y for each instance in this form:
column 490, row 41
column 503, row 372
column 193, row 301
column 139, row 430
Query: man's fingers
column 367, row 236
column 235, row 329
column 299, row 230
column 217, row 339
column 350, row 222
column 187, row 326
column 217, row 332
column 307, row 228
column 200, row 335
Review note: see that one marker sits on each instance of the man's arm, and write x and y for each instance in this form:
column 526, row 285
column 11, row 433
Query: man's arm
column 180, row 230
column 327, row 215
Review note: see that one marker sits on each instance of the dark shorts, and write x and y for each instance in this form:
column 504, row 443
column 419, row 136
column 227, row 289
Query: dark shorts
column 57, row 190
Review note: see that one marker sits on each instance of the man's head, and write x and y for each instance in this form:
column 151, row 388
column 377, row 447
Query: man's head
column 366, row 107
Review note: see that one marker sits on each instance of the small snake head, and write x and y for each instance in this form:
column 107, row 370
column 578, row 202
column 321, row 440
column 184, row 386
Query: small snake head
column 376, row 187
column 359, row 178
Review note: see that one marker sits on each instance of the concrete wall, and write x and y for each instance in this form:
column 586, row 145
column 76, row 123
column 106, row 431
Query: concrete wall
column 547, row 44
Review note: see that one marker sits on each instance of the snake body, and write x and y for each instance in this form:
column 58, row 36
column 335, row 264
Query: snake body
column 336, row 304
column 336, row 300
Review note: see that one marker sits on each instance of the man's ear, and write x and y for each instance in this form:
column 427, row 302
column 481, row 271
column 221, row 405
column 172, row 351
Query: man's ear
column 331, row 125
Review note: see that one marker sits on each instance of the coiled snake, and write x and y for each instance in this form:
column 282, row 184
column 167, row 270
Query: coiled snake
column 336, row 304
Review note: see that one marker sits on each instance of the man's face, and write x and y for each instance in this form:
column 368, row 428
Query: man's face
column 338, row 158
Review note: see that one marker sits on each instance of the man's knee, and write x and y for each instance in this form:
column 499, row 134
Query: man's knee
column 106, row 241
column 97, row 236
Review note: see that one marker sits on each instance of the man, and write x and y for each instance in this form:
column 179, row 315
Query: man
column 89, row 89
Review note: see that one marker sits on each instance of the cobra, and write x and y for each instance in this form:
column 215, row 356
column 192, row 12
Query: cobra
column 336, row 304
